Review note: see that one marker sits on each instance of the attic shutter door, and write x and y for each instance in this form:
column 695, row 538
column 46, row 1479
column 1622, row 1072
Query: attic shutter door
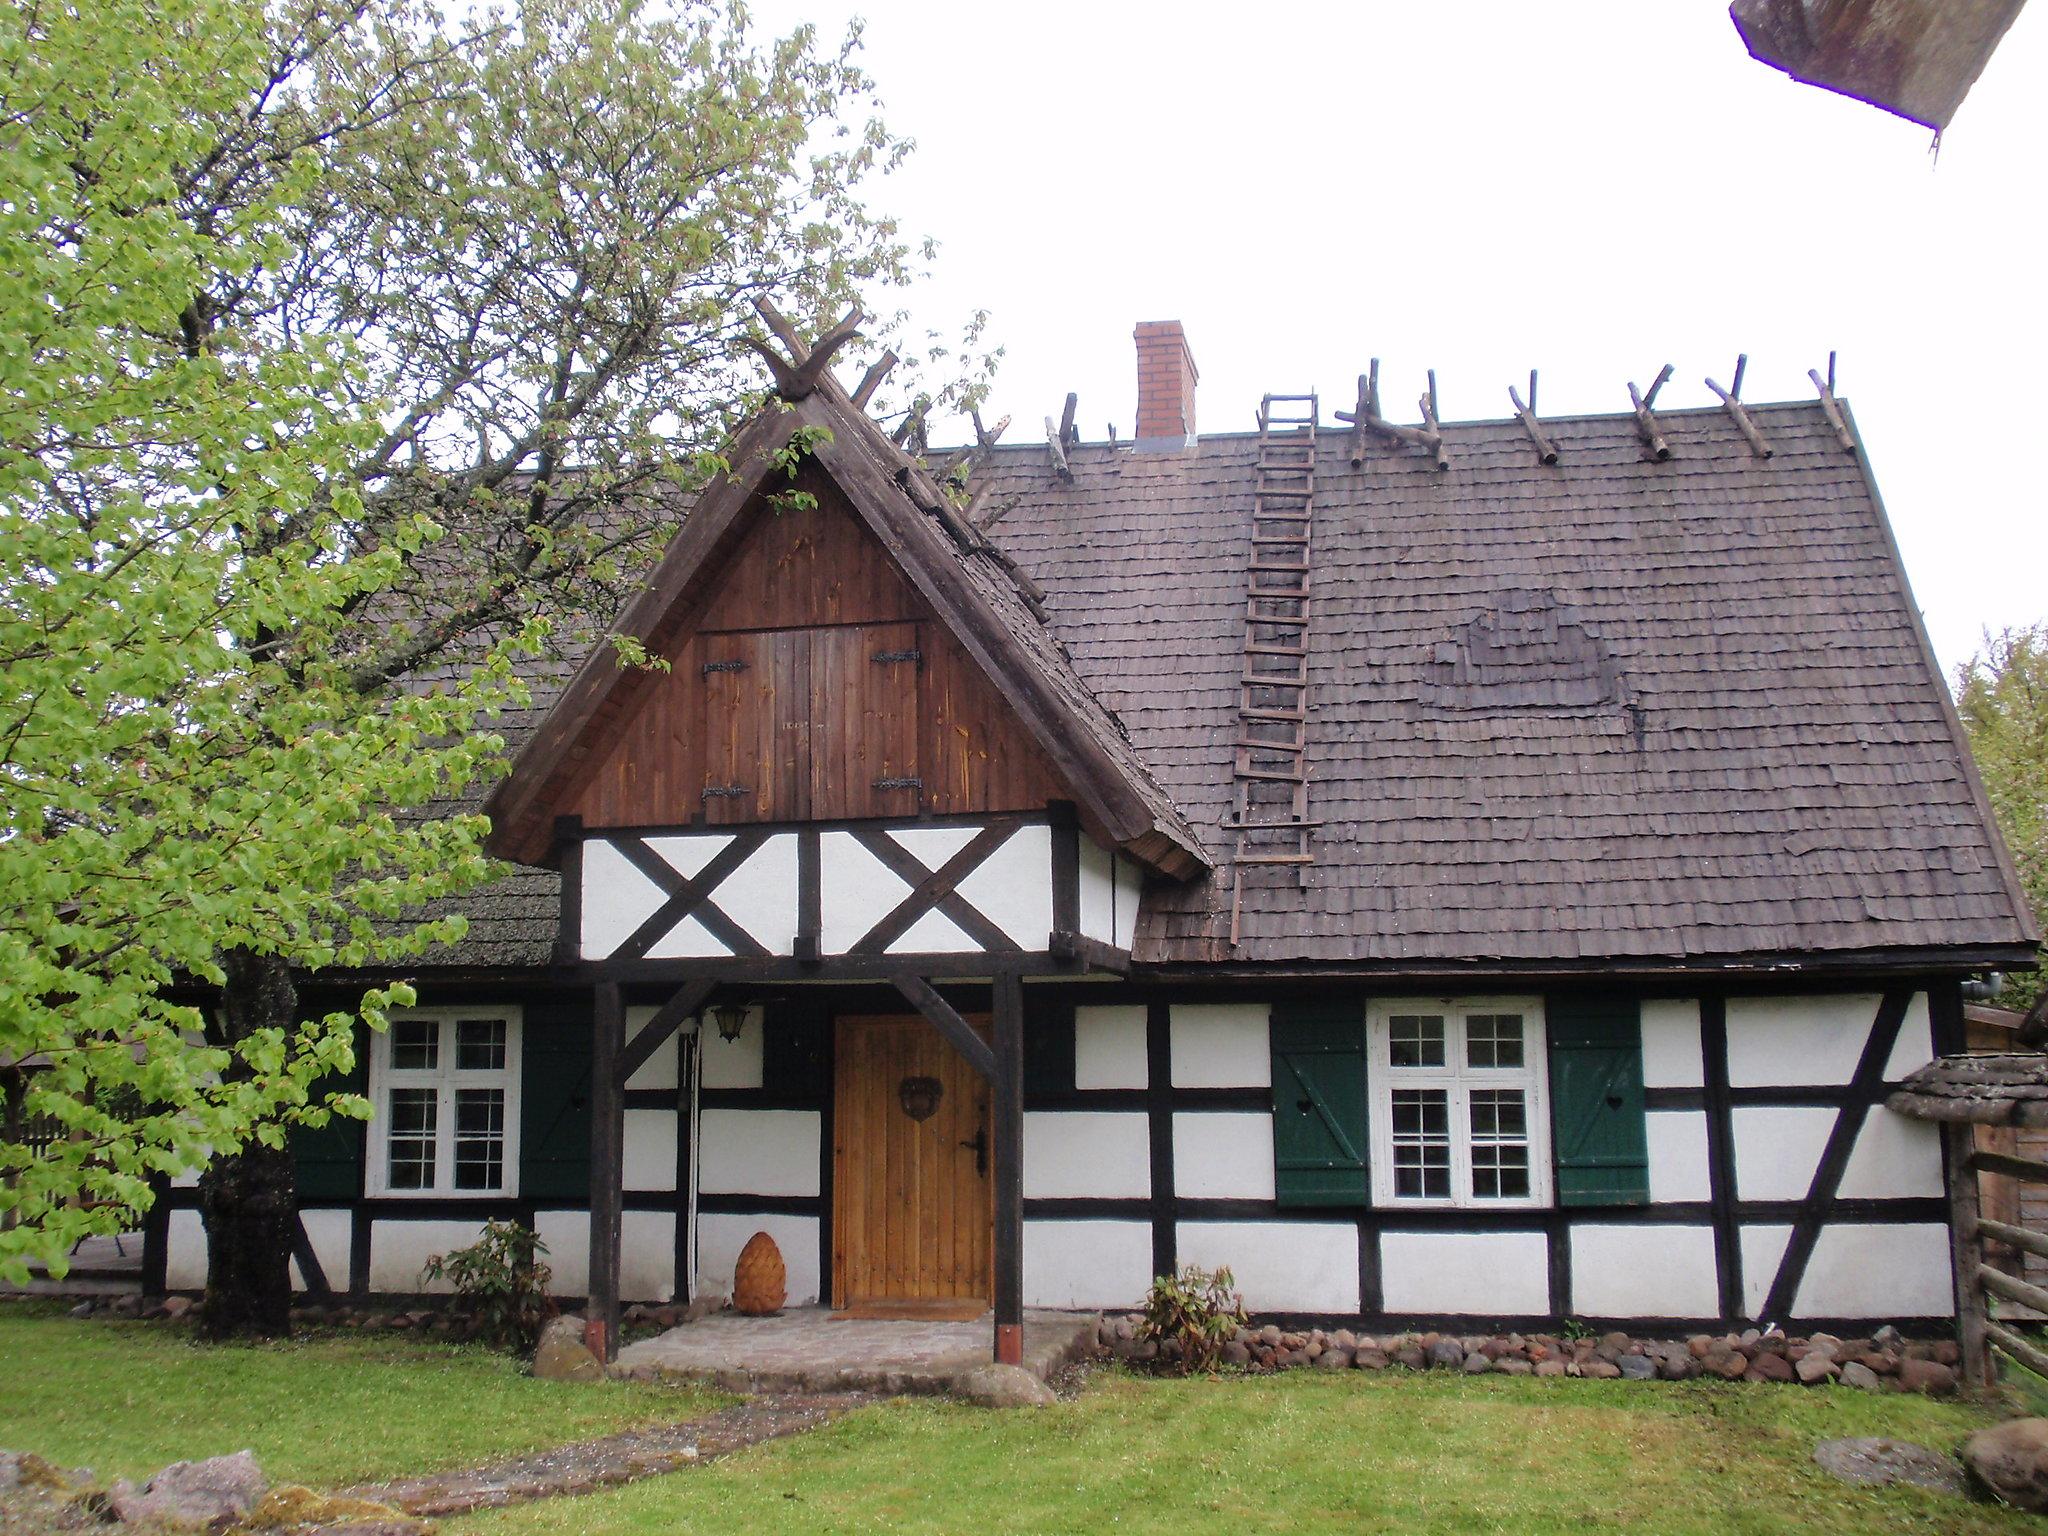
column 755, row 689
column 1596, row 1099
column 864, row 721
column 1319, row 1123
column 328, row 1162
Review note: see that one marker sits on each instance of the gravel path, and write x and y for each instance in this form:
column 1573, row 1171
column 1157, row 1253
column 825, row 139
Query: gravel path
column 592, row 1464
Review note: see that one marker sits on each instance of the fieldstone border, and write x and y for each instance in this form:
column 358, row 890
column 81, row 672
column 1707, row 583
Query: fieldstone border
column 1885, row 1361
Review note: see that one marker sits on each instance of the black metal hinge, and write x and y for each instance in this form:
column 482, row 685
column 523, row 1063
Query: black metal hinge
column 888, row 656
column 899, row 784
column 724, row 666
column 725, row 791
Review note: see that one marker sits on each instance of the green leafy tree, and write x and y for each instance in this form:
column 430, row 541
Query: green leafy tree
column 520, row 260
column 2002, row 696
column 190, row 782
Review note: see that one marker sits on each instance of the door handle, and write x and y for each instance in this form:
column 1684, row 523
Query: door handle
column 979, row 1147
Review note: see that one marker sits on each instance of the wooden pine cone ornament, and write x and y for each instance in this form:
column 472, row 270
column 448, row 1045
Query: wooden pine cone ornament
column 759, row 1282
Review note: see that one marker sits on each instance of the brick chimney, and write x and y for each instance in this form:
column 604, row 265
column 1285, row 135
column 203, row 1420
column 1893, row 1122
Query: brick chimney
column 1166, row 385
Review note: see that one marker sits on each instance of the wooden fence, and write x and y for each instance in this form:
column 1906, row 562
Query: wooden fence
column 1977, row 1281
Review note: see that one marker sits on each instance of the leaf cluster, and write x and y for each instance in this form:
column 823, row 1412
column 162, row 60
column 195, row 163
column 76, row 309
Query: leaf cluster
column 1197, row 1309
column 501, row 1281
column 2002, row 696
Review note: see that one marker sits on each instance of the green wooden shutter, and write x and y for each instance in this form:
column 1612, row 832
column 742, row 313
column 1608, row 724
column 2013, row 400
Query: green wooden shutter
column 1319, row 1145
column 554, row 1102
column 1596, row 1101
column 328, row 1160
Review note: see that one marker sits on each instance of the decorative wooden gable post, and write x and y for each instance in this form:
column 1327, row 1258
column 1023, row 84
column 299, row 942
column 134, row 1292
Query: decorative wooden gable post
column 862, row 763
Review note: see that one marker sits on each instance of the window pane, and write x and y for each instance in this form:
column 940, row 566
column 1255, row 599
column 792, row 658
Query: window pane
column 1422, row 1142
column 415, row 1113
column 415, row 1045
column 480, row 1045
column 479, row 1138
column 1415, row 1040
column 1493, row 1040
column 1500, row 1144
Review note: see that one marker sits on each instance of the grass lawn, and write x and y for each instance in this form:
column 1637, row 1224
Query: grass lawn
column 1308, row 1452
column 125, row 1398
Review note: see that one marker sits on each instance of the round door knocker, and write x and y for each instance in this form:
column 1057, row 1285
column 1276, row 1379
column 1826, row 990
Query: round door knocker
column 920, row 1096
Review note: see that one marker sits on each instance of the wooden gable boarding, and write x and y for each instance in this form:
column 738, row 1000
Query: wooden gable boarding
column 853, row 742
column 815, row 684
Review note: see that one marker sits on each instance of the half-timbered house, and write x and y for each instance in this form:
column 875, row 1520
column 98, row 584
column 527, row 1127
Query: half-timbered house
column 1478, row 870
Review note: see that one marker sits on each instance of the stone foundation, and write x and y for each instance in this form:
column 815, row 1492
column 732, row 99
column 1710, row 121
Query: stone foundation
column 1885, row 1361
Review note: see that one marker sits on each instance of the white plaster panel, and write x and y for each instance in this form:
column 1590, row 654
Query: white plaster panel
column 1109, row 1047
column 688, row 940
column 647, row 1256
column 1091, row 1264
column 1495, row 1274
column 721, row 1237
column 617, row 899
column 1763, row 1250
column 1865, row 1270
column 647, row 1253
column 660, row 1069
column 1279, row 1266
column 399, row 1249
column 1130, row 886
column 185, row 1252
column 1223, row 1156
column 934, row 934
column 932, row 846
column 186, row 1178
column 1678, row 1154
column 1894, row 1157
column 1222, row 1045
column 329, row 1232
column 688, row 852
column 1810, row 1039
column 1645, row 1271
column 733, row 1063
column 1915, row 1047
column 1777, row 1149
column 761, row 894
column 758, row 1151
column 1671, row 1043
column 1098, row 891
column 650, row 1161
column 1012, row 887
column 1087, row 1155
column 856, row 890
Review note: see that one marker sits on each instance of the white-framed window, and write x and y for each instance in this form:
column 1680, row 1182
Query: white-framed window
column 444, row 1085
column 1458, row 1106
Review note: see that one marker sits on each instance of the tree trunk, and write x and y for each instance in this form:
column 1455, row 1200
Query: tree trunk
column 248, row 1199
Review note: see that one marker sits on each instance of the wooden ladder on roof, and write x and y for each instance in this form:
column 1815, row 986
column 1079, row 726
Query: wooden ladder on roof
column 1271, row 816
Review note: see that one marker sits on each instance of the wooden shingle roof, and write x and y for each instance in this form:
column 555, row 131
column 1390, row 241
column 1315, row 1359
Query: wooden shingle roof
column 1611, row 711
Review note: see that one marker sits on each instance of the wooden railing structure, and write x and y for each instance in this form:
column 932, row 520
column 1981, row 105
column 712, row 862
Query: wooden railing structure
column 1977, row 1280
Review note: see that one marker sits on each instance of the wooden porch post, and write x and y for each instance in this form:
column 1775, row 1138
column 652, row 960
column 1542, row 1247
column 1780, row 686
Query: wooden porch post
column 607, row 1173
column 1007, row 1095
column 1959, row 1144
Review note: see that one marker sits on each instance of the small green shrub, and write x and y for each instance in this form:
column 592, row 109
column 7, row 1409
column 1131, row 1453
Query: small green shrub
column 500, row 1281
column 1195, row 1309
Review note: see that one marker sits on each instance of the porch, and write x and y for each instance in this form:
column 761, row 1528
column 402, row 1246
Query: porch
column 807, row 1349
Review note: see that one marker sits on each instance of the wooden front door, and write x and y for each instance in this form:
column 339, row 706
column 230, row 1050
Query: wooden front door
column 913, row 1216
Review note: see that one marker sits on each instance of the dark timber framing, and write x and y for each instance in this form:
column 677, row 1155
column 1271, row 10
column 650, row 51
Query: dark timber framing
column 1163, row 1207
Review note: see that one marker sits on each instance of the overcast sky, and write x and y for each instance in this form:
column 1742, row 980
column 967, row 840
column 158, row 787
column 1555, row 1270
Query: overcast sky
column 1592, row 189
